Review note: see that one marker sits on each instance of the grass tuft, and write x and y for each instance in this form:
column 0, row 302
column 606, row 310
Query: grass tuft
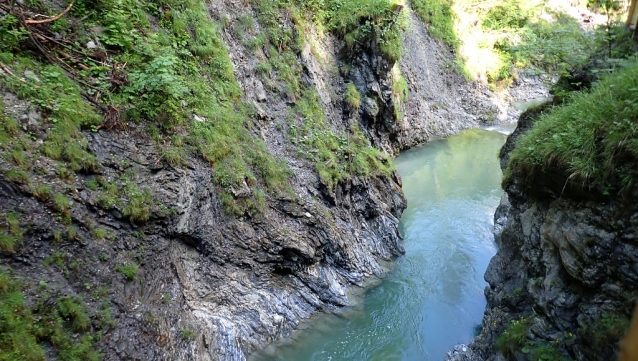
column 42, row 192
column 27, row 332
column 128, row 270
column 593, row 138
column 352, row 96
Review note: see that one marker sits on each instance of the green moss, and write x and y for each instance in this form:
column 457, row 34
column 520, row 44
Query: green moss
column 352, row 96
column 593, row 139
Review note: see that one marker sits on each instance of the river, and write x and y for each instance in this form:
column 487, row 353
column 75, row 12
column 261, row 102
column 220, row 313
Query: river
column 433, row 298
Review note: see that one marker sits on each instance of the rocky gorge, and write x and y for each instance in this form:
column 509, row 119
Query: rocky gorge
column 563, row 283
column 183, row 278
column 191, row 180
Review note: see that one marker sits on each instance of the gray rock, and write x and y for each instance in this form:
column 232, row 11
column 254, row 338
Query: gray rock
column 31, row 76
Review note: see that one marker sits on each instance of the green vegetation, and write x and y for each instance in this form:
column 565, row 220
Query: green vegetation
column 100, row 233
column 168, row 70
column 336, row 157
column 26, row 332
column 72, row 233
column 7, row 242
column 42, row 192
column 440, row 18
column 17, row 176
column 10, row 238
column 514, row 337
column 593, row 138
column 128, row 270
column 503, row 37
column 607, row 329
column 546, row 352
column 139, row 204
column 61, row 203
column 159, row 76
column 62, row 105
column 188, row 334
column 352, row 97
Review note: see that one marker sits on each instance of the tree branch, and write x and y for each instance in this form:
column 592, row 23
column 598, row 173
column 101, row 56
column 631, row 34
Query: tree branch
column 31, row 21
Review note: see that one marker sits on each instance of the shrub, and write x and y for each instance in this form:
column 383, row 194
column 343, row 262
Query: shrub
column 514, row 337
column 73, row 310
column 129, row 270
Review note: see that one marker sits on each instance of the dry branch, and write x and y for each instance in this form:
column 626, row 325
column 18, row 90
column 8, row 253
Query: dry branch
column 31, row 21
column 6, row 70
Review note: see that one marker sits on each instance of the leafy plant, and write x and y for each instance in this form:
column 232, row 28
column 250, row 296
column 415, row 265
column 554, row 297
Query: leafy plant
column 26, row 332
column 12, row 35
column 514, row 337
column 128, row 270
column 139, row 205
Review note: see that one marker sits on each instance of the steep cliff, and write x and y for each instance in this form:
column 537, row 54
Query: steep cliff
column 563, row 283
column 226, row 193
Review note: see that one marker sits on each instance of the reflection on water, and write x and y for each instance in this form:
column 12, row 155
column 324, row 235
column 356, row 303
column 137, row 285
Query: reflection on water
column 433, row 299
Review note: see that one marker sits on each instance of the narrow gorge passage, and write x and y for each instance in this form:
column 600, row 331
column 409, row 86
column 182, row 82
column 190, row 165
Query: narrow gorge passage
column 433, row 299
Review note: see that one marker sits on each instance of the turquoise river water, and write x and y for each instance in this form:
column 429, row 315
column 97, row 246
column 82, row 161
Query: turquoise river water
column 433, row 298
